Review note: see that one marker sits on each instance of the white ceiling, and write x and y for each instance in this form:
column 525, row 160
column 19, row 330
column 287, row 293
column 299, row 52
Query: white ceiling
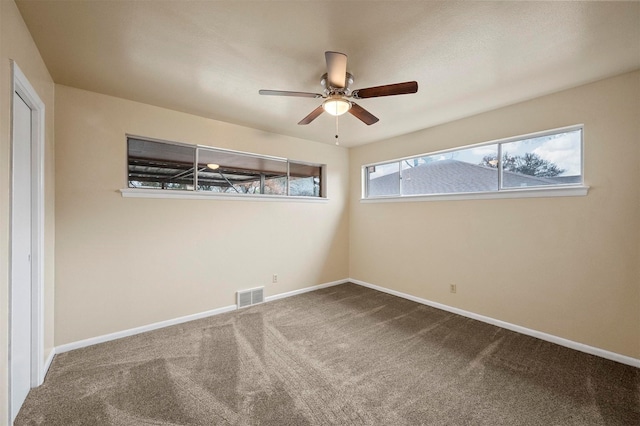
column 210, row 58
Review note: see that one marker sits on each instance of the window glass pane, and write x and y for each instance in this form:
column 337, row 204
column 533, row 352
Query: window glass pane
column 546, row 160
column 304, row 179
column 251, row 187
column 465, row 170
column 383, row 179
column 276, row 185
column 219, row 171
column 238, row 173
column 160, row 165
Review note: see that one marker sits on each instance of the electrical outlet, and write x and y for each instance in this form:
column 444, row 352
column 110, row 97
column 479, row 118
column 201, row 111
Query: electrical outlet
column 274, row 279
column 452, row 288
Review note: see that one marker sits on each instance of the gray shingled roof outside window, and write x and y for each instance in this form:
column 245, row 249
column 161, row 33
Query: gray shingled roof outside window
column 452, row 176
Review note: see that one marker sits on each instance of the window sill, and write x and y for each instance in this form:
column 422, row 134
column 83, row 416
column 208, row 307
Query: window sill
column 566, row 191
column 192, row 195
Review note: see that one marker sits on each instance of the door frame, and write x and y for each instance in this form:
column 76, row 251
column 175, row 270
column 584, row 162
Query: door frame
column 23, row 88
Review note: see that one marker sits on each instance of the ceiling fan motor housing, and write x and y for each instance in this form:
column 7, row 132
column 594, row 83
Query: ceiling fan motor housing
column 330, row 90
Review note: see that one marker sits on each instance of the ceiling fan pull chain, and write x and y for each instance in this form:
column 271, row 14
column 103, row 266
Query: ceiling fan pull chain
column 337, row 143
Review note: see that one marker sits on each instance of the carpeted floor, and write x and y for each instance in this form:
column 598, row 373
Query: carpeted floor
column 344, row 355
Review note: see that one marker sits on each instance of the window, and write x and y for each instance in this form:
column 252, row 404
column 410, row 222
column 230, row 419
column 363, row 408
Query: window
column 550, row 159
column 384, row 179
column 160, row 165
column 171, row 166
column 304, row 179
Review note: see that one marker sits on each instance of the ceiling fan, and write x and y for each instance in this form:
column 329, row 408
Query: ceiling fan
column 337, row 92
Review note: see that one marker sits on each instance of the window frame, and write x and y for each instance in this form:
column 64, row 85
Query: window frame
column 195, row 193
column 559, row 190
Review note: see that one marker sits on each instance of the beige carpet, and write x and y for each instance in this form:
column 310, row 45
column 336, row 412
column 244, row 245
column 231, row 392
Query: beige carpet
column 344, row 355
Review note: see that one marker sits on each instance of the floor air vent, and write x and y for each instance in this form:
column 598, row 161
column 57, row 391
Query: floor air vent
column 250, row 297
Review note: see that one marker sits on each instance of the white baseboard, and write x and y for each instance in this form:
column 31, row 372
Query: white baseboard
column 623, row 359
column 45, row 368
column 132, row 331
column 634, row 362
column 304, row 290
column 47, row 363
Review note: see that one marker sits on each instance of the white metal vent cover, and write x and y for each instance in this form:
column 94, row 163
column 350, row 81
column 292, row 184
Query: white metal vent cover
column 250, row 297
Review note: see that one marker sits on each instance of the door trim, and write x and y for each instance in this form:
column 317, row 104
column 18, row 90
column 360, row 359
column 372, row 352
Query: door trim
column 23, row 88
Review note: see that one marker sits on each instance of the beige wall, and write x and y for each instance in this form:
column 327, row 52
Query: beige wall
column 564, row 266
column 127, row 262
column 16, row 44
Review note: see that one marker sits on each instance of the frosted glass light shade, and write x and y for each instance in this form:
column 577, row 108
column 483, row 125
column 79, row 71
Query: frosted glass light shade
column 336, row 106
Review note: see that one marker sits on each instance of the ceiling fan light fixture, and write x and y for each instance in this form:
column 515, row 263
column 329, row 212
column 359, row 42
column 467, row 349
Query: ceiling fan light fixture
column 337, row 92
column 336, row 106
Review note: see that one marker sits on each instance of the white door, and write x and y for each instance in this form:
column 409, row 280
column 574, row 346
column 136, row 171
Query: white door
column 20, row 352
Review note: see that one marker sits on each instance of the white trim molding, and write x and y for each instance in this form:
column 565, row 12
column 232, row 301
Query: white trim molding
column 623, row 359
column 304, row 290
column 502, row 324
column 143, row 329
column 557, row 191
column 49, row 360
column 25, row 90
column 202, row 195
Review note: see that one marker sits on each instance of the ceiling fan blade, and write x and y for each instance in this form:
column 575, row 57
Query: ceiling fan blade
column 336, row 68
column 386, row 90
column 314, row 114
column 362, row 114
column 286, row 93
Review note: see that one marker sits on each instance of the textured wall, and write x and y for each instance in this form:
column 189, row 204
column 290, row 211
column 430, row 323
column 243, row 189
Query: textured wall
column 127, row 262
column 564, row 266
